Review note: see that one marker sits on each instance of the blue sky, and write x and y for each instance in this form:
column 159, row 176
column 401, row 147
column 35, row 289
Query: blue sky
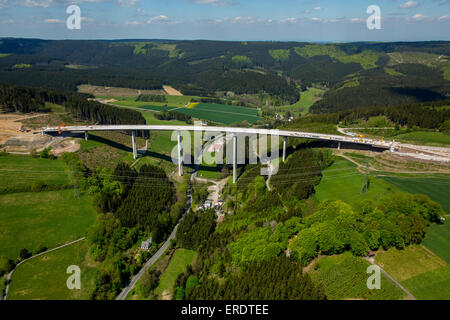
column 297, row 20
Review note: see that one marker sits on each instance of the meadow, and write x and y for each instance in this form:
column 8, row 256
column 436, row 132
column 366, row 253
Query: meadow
column 409, row 262
column 307, row 99
column 44, row 277
column 434, row 187
column 34, row 219
column 178, row 264
column 18, row 173
column 343, row 181
column 344, row 277
column 437, row 239
column 219, row 113
column 431, row 285
column 439, row 139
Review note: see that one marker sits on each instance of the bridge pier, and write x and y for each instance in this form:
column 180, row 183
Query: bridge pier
column 339, row 145
column 86, row 135
column 234, row 157
column 180, row 155
column 284, row 148
column 133, row 140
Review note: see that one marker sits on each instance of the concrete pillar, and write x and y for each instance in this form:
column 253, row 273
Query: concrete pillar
column 284, row 148
column 86, row 135
column 234, row 158
column 339, row 145
column 133, row 140
column 180, row 155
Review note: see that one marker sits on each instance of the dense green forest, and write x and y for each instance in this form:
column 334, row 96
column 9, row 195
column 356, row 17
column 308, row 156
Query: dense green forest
column 423, row 115
column 27, row 99
column 259, row 250
column 356, row 74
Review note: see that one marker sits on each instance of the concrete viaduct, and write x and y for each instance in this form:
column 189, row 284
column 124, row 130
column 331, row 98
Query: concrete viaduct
column 228, row 130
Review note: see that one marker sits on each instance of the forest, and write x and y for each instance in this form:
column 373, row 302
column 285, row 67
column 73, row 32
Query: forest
column 258, row 252
column 428, row 115
column 27, row 99
column 131, row 207
column 355, row 74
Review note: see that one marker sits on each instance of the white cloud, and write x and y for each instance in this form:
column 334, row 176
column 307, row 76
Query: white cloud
column 409, row 5
column 419, row 16
column 133, row 23
column 318, row 9
column 215, row 3
column 127, row 3
column 53, row 21
column 288, row 20
column 356, row 20
column 443, row 18
column 316, row 19
column 158, row 19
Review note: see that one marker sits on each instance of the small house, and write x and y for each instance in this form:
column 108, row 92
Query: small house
column 145, row 245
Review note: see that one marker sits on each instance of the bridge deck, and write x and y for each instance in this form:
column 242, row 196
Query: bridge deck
column 228, row 130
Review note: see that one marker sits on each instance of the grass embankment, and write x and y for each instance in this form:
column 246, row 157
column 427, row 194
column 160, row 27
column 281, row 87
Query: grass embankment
column 181, row 259
column 425, row 138
column 44, row 277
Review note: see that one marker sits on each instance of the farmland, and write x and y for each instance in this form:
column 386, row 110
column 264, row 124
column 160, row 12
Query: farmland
column 434, row 187
column 219, row 113
column 30, row 220
column 344, row 277
column 44, row 277
column 409, row 262
column 419, row 270
column 431, row 285
column 437, row 240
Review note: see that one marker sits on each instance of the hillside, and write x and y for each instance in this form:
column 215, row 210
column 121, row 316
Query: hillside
column 271, row 72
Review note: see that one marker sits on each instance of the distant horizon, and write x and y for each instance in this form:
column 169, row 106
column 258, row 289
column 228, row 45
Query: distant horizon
column 320, row 21
column 218, row 40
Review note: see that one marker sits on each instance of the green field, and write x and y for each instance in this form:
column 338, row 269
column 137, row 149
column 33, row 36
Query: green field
column 342, row 181
column 409, row 262
column 436, row 188
column 345, row 277
column 18, row 173
column 219, row 113
column 307, row 99
column 437, row 239
column 28, row 220
column 432, row 285
column 425, row 137
column 178, row 264
column 44, row 277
